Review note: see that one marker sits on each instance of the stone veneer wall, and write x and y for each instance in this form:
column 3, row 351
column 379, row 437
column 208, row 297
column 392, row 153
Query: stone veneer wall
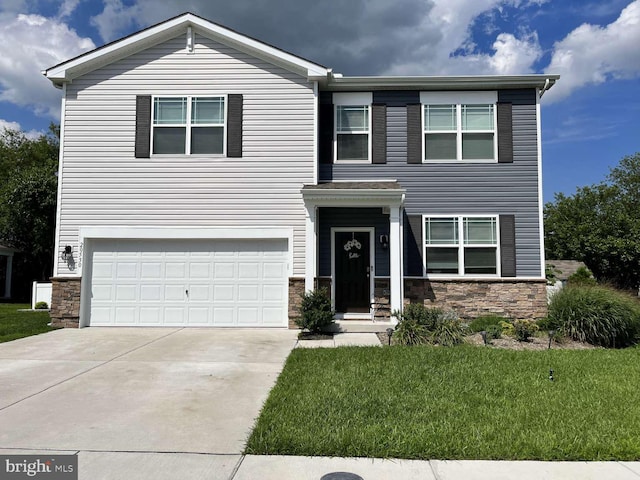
column 296, row 290
column 512, row 298
column 65, row 302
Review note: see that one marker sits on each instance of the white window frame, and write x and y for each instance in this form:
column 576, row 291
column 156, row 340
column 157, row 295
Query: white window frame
column 352, row 99
column 461, row 246
column 188, row 125
column 458, row 100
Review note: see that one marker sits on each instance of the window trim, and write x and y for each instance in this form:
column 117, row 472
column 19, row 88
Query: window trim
column 461, row 246
column 458, row 100
column 352, row 99
column 188, row 125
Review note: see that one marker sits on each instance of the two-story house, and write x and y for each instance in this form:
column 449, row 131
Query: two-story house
column 208, row 179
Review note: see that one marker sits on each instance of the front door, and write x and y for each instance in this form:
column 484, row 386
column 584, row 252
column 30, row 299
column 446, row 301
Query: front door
column 352, row 272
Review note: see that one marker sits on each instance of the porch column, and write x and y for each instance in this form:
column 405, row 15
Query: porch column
column 7, row 283
column 310, row 251
column 395, row 258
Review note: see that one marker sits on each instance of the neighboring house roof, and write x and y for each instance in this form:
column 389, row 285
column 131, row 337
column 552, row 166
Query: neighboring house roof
column 6, row 250
column 565, row 268
column 101, row 56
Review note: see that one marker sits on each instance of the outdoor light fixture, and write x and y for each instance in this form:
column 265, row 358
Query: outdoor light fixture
column 483, row 333
column 66, row 253
column 384, row 241
column 551, row 375
column 389, row 333
column 551, row 334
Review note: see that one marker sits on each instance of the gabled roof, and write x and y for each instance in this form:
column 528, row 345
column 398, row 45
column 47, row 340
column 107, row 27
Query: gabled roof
column 101, row 56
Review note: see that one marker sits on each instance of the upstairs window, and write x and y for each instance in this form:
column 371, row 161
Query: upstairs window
column 352, row 132
column 461, row 245
column 188, row 125
column 459, row 129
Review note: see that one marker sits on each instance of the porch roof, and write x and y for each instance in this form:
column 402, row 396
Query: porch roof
column 384, row 193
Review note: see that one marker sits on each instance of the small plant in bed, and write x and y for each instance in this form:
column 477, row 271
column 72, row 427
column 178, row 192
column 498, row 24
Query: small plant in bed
column 420, row 325
column 484, row 322
column 316, row 315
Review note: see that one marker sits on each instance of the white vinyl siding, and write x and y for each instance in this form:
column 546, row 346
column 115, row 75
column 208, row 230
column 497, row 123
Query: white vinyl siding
column 104, row 185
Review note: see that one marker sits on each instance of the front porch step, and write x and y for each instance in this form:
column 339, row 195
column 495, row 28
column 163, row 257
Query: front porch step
column 360, row 326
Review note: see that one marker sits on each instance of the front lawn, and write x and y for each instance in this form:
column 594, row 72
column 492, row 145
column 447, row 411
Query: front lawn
column 454, row 403
column 15, row 324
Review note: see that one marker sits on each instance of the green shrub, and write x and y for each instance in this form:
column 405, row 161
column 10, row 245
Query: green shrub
column 551, row 272
column 508, row 329
column 410, row 332
column 482, row 323
column 494, row 332
column 583, row 276
column 419, row 325
column 595, row 314
column 315, row 311
column 41, row 306
column 448, row 330
column 524, row 329
column 418, row 313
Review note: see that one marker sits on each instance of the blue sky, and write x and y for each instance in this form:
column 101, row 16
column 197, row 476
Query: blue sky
column 591, row 118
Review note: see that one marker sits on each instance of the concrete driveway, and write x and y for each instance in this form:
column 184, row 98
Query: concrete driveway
column 155, row 401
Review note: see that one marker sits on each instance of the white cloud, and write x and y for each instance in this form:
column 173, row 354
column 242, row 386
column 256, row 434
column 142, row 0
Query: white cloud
column 28, row 45
column 116, row 18
column 4, row 124
column 591, row 55
column 454, row 53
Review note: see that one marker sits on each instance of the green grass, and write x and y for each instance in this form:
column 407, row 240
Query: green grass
column 454, row 403
column 15, row 324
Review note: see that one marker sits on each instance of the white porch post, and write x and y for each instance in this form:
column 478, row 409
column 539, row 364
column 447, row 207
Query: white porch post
column 7, row 282
column 311, row 242
column 395, row 253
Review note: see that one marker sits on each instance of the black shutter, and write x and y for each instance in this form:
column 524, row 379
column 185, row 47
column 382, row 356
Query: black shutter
column 143, row 126
column 378, row 133
column 508, row 245
column 414, row 133
column 505, row 133
column 325, row 140
column 414, row 246
column 234, row 126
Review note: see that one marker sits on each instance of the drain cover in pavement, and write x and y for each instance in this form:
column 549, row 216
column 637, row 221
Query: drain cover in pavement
column 341, row 476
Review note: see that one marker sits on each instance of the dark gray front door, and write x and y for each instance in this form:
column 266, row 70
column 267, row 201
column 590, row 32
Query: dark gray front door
column 352, row 272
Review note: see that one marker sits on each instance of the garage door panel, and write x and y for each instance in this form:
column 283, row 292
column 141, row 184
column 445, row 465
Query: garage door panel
column 150, row 315
column 150, row 293
column 189, row 282
column 151, row 270
column 224, row 270
column 224, row 316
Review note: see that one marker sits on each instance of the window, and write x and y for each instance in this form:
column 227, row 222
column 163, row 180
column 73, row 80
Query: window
column 352, row 132
column 459, row 127
column 461, row 245
column 188, row 125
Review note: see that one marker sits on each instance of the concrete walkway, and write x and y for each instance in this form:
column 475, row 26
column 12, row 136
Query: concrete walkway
column 343, row 340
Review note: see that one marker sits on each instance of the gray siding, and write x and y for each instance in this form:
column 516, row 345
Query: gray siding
column 351, row 217
column 103, row 184
column 505, row 188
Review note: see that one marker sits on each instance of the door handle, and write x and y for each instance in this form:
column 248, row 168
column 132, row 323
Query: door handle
column 186, row 292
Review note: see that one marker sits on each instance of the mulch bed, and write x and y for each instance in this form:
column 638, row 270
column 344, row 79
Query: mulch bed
column 535, row 343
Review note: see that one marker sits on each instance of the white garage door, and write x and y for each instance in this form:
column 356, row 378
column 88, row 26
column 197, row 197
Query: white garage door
column 189, row 282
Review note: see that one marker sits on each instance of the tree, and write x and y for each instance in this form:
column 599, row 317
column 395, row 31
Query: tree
column 600, row 225
column 28, row 204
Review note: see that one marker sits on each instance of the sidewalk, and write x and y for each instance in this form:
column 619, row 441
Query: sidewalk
column 342, row 340
column 315, row 468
